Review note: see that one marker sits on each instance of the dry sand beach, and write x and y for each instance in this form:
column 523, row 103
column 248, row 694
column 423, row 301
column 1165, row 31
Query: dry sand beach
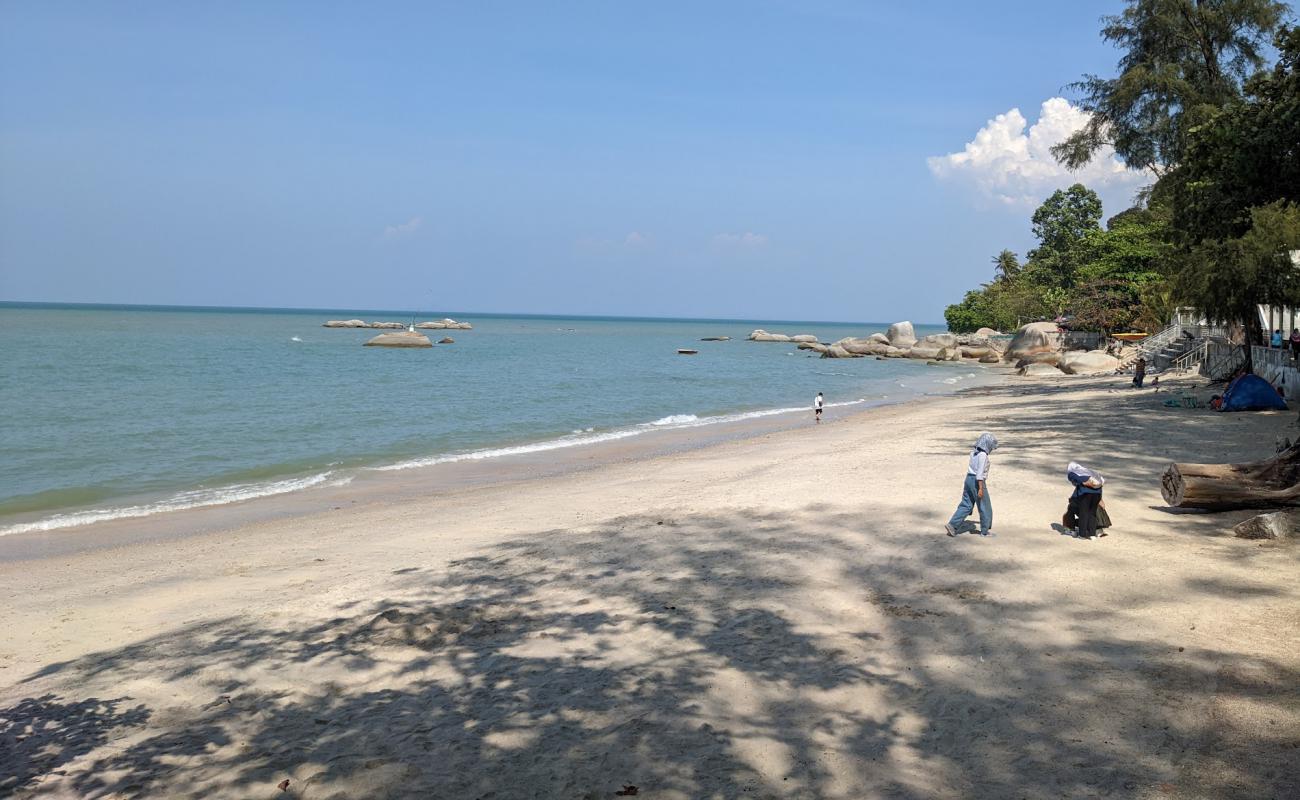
column 780, row 616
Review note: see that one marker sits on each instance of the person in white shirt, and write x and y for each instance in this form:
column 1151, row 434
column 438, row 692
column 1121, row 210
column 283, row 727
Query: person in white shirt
column 975, row 491
column 817, row 407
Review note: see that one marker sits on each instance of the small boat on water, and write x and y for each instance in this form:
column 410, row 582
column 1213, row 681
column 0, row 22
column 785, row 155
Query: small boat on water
column 685, row 352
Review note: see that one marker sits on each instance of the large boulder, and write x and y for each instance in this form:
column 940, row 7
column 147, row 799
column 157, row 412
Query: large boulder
column 920, row 351
column 1038, row 371
column 969, row 351
column 901, row 335
column 991, row 358
column 1089, row 362
column 803, row 337
column 879, row 337
column 835, row 351
column 862, row 347
column 345, row 323
column 402, row 339
column 816, row 347
column 716, row 339
column 987, row 332
column 1034, row 338
column 1051, row 359
column 940, row 340
column 760, row 335
column 390, row 326
column 948, row 354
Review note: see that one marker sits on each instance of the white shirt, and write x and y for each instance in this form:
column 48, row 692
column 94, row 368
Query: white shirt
column 818, row 402
column 979, row 465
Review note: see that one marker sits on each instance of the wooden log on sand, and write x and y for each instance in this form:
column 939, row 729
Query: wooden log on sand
column 1221, row 487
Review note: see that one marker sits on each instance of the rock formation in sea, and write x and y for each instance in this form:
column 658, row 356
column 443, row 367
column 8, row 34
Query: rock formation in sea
column 400, row 339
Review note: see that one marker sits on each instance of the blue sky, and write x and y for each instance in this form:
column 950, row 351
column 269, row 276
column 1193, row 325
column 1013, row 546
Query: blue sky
column 759, row 159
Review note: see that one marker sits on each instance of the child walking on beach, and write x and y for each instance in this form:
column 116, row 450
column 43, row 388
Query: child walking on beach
column 817, row 407
column 975, row 492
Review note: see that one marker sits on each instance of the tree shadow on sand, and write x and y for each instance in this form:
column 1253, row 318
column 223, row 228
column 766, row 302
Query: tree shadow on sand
column 691, row 656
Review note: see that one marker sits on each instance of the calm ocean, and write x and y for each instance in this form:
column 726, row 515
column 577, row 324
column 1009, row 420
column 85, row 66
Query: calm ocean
column 113, row 412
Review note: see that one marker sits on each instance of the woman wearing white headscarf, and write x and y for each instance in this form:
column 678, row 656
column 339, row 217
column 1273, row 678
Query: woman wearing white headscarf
column 1086, row 498
column 975, row 491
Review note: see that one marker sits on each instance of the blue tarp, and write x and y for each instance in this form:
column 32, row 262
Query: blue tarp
column 1252, row 393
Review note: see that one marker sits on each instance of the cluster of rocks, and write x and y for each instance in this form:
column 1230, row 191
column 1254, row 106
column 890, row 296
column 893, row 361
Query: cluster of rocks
column 1034, row 349
column 900, row 341
column 397, row 326
column 1038, row 349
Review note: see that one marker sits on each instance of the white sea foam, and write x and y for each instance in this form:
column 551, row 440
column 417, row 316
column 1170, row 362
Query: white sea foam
column 675, row 419
column 671, row 422
column 196, row 498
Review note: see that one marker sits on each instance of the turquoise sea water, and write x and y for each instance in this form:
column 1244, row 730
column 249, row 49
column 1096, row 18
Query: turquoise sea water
column 111, row 412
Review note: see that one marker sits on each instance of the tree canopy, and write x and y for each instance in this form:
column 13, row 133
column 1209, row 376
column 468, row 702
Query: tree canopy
column 1078, row 267
column 1182, row 60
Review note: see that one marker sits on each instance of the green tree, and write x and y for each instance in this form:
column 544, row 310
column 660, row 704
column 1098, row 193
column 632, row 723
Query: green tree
column 1006, row 266
column 1117, row 267
column 1228, row 279
column 972, row 313
column 1062, row 224
column 1182, row 60
column 1247, row 155
column 1131, row 250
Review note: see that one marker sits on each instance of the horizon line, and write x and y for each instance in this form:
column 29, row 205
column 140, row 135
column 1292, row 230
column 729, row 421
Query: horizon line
column 408, row 312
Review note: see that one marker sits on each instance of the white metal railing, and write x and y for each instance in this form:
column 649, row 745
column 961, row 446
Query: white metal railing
column 1193, row 357
column 1156, row 342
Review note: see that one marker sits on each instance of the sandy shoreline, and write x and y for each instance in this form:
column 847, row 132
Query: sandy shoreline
column 778, row 616
column 386, row 485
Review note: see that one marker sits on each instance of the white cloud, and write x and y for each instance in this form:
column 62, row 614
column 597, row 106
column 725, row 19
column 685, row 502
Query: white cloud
column 405, row 229
column 1007, row 163
column 748, row 240
column 636, row 239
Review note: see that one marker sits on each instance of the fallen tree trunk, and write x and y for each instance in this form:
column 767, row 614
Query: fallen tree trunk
column 1220, row 487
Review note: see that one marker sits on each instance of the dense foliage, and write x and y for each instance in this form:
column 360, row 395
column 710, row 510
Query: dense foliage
column 1194, row 102
column 1098, row 275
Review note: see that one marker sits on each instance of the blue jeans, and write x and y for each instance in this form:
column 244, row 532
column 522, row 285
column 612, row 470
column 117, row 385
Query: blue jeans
column 969, row 501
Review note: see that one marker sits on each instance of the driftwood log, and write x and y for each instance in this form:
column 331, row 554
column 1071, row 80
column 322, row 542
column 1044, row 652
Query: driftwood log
column 1270, row 483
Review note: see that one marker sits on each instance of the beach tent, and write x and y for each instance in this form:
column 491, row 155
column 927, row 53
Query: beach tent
column 1251, row 393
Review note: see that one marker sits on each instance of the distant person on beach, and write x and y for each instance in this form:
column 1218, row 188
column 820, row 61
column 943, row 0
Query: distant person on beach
column 1084, row 508
column 975, row 492
column 1139, row 372
column 1295, row 343
column 1276, row 341
column 818, row 402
